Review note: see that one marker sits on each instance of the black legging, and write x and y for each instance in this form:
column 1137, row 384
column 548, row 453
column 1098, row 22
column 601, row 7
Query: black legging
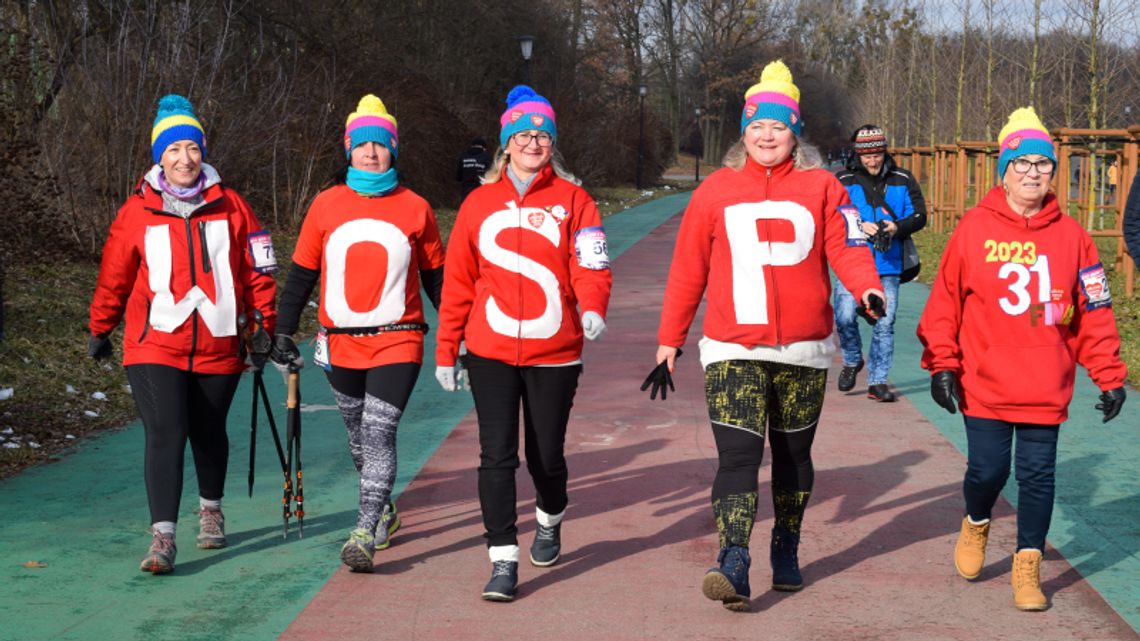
column 176, row 405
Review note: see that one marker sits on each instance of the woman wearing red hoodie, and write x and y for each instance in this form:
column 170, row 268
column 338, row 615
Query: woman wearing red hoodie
column 757, row 238
column 1020, row 298
column 527, row 252
column 184, row 259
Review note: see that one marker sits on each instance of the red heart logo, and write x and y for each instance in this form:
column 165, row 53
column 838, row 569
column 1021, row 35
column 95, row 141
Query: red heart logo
column 537, row 120
column 750, row 110
column 1014, row 142
column 515, row 115
column 535, row 219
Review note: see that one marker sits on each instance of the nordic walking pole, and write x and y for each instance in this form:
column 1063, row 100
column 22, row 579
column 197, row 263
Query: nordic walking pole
column 257, row 344
column 295, row 428
column 293, row 405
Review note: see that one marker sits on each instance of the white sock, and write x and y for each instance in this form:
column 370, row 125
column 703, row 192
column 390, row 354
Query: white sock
column 504, row 553
column 973, row 522
column 548, row 520
column 166, row 527
column 208, row 504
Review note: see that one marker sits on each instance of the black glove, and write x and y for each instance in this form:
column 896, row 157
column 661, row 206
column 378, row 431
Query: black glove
column 1110, row 403
column 285, row 353
column 944, row 388
column 881, row 239
column 878, row 305
column 260, row 347
column 99, row 347
column 660, row 378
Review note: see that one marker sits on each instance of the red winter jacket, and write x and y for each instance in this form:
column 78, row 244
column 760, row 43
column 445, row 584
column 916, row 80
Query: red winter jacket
column 1016, row 304
column 761, row 239
column 182, row 282
column 517, row 271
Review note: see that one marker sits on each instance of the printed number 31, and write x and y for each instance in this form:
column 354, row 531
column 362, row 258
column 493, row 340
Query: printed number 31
column 1019, row 288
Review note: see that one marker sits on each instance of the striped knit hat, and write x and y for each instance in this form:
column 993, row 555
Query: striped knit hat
column 526, row 110
column 1022, row 135
column 775, row 97
column 371, row 122
column 870, row 139
column 175, row 121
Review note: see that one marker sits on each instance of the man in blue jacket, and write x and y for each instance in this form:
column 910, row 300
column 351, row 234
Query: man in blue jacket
column 891, row 208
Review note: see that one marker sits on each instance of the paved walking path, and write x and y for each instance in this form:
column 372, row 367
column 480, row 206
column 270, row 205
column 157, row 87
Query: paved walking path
column 639, row 534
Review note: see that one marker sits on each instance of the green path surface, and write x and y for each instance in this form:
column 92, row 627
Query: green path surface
column 86, row 516
column 1096, row 519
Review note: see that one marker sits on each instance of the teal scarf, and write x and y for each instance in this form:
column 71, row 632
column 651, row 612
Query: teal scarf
column 371, row 183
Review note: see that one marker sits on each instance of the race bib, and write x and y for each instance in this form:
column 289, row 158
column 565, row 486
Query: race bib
column 261, row 249
column 321, row 351
column 855, row 235
column 590, row 247
column 1094, row 284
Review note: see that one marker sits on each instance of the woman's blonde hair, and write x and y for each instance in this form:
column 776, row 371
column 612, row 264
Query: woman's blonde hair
column 495, row 173
column 804, row 156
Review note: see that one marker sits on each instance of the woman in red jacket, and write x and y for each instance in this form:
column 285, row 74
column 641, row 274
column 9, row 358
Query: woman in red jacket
column 184, row 258
column 758, row 237
column 1021, row 297
column 526, row 253
column 372, row 244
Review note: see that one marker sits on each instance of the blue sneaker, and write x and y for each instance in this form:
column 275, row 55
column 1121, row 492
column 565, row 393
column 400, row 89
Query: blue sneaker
column 504, row 581
column 547, row 546
column 784, row 556
column 729, row 582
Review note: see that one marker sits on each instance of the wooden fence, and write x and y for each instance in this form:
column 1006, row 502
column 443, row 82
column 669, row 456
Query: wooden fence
column 1094, row 172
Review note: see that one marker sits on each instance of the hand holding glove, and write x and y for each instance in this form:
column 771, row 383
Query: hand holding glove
column 1110, row 403
column 99, row 347
column 285, row 355
column 874, row 306
column 454, row 377
column 881, row 239
column 661, row 376
column 945, row 390
column 593, row 325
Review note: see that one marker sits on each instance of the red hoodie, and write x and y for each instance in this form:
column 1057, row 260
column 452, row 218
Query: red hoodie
column 518, row 269
column 1017, row 303
column 761, row 240
column 182, row 282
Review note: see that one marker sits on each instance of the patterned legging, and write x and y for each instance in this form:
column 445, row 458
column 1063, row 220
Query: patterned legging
column 744, row 399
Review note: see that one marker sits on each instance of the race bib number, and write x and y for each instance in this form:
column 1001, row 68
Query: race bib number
column 1094, row 284
column 855, row 235
column 261, row 249
column 321, row 351
column 590, row 247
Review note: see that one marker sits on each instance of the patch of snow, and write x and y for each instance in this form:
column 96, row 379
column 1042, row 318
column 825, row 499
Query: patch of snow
column 34, row 445
column 90, row 414
column 99, row 396
column 6, row 393
column 6, row 430
column 11, row 446
column 70, row 437
column 71, row 390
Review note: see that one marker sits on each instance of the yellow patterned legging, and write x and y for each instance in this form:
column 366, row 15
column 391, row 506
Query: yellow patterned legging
column 744, row 399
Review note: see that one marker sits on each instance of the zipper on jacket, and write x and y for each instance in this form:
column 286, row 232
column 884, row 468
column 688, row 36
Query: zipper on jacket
column 772, row 288
column 519, row 279
column 146, row 324
column 205, row 247
column 193, row 283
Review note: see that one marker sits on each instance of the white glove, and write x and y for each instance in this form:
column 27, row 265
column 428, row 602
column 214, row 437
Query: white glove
column 593, row 326
column 446, row 377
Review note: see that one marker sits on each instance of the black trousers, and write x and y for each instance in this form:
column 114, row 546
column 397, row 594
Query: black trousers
column 546, row 395
column 176, row 405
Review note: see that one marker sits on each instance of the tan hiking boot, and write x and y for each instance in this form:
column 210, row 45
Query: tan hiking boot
column 970, row 552
column 1026, row 578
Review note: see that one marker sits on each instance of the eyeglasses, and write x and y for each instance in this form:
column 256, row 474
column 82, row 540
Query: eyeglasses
column 523, row 138
column 1043, row 166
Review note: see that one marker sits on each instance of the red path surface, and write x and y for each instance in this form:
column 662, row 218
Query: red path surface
column 639, row 535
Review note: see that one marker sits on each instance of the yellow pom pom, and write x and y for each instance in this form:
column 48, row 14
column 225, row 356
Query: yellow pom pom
column 776, row 77
column 370, row 104
column 1023, row 118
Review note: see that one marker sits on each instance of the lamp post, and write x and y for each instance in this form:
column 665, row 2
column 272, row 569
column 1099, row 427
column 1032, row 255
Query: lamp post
column 526, row 43
column 641, row 91
column 699, row 149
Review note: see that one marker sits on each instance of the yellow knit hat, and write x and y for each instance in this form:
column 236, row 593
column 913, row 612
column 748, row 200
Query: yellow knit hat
column 775, row 97
column 371, row 122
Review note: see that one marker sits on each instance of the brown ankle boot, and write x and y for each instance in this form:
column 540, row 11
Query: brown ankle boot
column 970, row 552
column 1026, row 578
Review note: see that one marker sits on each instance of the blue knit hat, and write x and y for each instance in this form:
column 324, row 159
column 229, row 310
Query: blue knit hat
column 175, row 121
column 526, row 110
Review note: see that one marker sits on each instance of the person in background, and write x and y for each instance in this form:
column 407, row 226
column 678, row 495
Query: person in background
column 372, row 243
column 185, row 257
column 527, row 277
column 758, row 238
column 1020, row 298
column 1132, row 219
column 891, row 208
column 471, row 166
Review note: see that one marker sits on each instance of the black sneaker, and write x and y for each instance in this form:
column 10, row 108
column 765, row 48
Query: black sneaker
column 784, row 556
column 547, row 546
column 847, row 377
column 880, row 393
column 504, row 581
column 728, row 583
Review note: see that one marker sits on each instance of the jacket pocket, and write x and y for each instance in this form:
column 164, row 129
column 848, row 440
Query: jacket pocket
column 1030, row 376
column 146, row 324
